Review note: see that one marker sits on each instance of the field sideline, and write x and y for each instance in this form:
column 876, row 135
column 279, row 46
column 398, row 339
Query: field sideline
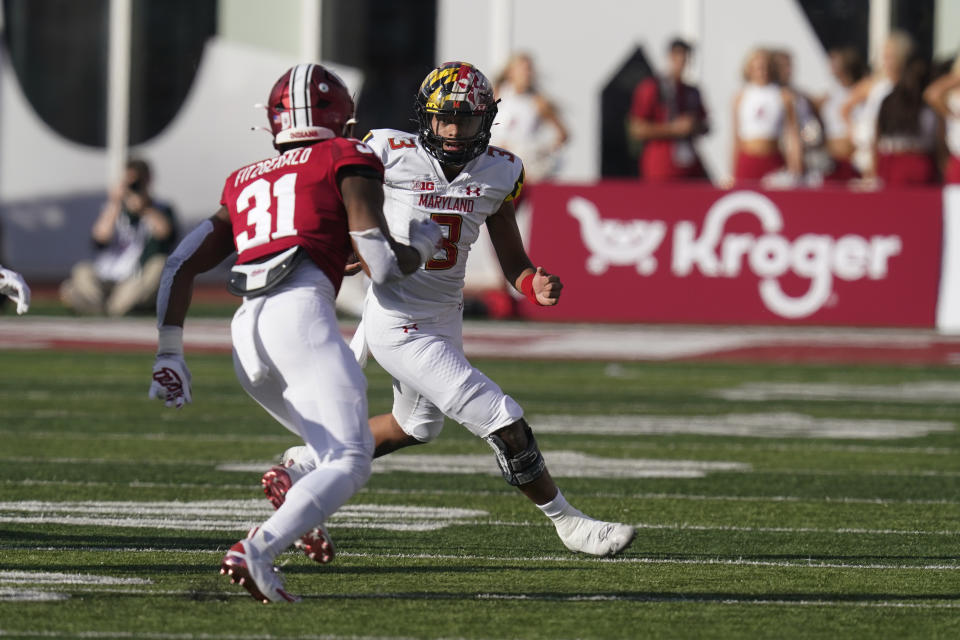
column 524, row 340
column 785, row 484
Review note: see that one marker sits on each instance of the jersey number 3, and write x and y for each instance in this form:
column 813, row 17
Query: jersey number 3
column 449, row 247
column 257, row 200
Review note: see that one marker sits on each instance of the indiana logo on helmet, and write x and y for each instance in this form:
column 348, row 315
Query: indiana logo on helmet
column 309, row 103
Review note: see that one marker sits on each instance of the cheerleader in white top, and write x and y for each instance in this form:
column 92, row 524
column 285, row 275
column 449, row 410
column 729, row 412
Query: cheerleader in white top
column 527, row 122
column 943, row 95
column 863, row 105
column 766, row 136
column 848, row 68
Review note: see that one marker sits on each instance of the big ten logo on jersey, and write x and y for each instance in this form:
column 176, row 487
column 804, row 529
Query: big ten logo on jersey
column 402, row 143
column 423, row 183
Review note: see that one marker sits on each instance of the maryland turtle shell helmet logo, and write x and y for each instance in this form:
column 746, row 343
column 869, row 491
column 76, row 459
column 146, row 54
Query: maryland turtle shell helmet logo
column 456, row 89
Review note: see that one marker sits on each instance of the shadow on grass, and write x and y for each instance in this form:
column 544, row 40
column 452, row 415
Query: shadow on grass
column 698, row 597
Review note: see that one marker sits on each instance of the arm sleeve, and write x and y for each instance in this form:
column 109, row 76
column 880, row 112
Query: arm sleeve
column 645, row 100
column 184, row 250
column 377, row 254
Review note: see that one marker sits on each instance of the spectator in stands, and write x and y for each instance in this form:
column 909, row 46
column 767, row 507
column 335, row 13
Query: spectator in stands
column 666, row 116
column 133, row 235
column 848, row 68
column 811, row 139
column 943, row 95
column 765, row 132
column 863, row 105
column 529, row 125
column 907, row 131
column 527, row 121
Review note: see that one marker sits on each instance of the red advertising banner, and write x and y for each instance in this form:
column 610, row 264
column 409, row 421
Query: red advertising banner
column 694, row 254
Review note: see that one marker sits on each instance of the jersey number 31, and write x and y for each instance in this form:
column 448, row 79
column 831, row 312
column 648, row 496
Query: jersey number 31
column 256, row 199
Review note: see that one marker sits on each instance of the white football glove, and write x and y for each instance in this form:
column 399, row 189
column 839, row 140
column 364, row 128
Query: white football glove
column 14, row 287
column 171, row 378
column 171, row 381
column 426, row 237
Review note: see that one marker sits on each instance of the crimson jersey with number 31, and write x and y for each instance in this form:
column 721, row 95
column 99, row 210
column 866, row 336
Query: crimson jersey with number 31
column 293, row 200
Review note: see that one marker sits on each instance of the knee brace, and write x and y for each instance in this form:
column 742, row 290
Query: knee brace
column 523, row 467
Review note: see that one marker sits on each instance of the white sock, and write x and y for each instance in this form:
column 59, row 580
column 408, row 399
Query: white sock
column 559, row 510
column 309, row 503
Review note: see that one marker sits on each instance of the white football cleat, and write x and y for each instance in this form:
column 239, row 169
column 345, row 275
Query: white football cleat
column 595, row 537
column 298, row 456
column 256, row 574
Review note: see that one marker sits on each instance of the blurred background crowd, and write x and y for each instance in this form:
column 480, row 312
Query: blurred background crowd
column 893, row 123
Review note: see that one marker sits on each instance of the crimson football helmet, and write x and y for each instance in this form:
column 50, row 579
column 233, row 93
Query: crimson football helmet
column 456, row 89
column 308, row 103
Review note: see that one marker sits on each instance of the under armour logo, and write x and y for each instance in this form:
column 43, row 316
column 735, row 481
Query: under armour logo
column 169, row 380
column 407, row 328
column 472, row 191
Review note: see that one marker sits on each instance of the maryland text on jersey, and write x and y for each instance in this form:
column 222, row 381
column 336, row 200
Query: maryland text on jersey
column 445, row 203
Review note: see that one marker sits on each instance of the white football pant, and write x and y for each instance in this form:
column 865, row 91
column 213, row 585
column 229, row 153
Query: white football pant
column 432, row 376
column 290, row 357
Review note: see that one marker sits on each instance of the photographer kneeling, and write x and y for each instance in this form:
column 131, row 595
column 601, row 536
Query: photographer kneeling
column 133, row 235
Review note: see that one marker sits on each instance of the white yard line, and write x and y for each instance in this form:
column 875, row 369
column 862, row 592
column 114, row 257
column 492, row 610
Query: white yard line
column 645, row 443
column 563, row 464
column 674, row 496
column 565, row 559
column 224, row 515
column 239, row 515
column 754, row 425
column 121, row 435
column 253, row 486
column 52, row 577
column 936, row 391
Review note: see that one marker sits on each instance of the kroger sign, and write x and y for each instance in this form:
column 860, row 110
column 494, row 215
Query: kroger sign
column 704, row 255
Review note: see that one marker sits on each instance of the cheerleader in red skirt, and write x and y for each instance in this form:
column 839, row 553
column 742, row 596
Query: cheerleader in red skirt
column 764, row 117
column 906, row 132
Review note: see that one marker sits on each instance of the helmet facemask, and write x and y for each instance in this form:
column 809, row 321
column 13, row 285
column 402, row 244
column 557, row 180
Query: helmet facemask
column 455, row 92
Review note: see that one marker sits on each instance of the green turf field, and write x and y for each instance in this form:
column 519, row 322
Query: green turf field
column 772, row 501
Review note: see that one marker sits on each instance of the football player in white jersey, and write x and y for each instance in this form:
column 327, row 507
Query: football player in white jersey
column 413, row 328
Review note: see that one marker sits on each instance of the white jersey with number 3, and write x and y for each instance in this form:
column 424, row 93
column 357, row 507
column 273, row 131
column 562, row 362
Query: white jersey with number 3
column 415, row 188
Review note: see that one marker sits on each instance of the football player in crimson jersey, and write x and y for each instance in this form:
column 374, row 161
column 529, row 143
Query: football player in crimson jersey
column 413, row 327
column 291, row 219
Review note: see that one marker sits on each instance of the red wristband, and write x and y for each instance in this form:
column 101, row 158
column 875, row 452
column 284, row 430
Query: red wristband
column 526, row 288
